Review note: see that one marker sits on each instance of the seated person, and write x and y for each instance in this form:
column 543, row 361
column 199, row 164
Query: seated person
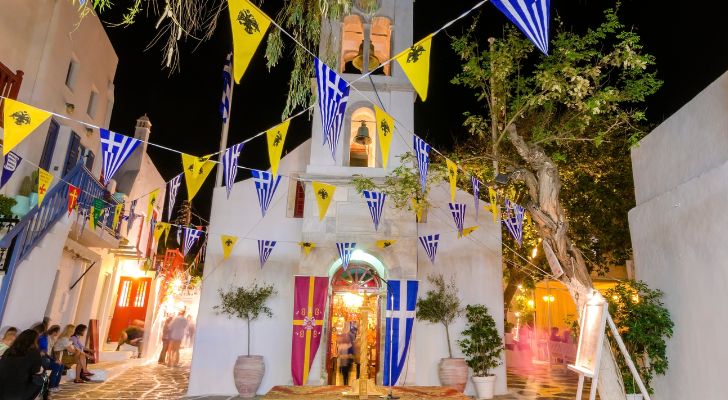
column 133, row 336
column 8, row 339
column 555, row 337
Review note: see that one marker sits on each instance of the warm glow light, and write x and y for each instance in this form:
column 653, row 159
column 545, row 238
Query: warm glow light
column 520, row 287
column 531, row 303
column 132, row 269
column 353, row 300
column 518, row 315
column 549, row 298
column 534, row 252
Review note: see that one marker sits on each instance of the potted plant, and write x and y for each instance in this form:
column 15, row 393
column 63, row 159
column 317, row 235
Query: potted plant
column 22, row 199
column 644, row 325
column 247, row 304
column 482, row 347
column 6, row 206
column 441, row 306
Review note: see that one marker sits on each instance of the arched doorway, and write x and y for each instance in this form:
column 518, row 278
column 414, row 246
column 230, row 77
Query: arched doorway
column 353, row 290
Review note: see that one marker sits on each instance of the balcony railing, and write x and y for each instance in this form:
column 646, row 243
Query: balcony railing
column 9, row 86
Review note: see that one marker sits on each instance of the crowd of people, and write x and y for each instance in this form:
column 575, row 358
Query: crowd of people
column 33, row 361
column 175, row 330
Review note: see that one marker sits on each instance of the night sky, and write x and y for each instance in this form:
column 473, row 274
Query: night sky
column 689, row 44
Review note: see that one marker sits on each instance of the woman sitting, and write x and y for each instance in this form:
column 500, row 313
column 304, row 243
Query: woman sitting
column 82, row 353
column 18, row 367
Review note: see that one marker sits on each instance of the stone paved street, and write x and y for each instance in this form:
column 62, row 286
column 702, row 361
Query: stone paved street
column 153, row 381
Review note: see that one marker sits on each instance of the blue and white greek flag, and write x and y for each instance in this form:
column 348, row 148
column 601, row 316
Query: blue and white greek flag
column 476, row 193
column 514, row 220
column 531, row 17
column 458, row 214
column 12, row 161
column 333, row 93
column 430, row 242
column 132, row 216
column 191, row 237
column 345, row 250
column 172, row 189
column 266, row 185
column 375, row 201
column 265, row 247
column 401, row 305
column 422, row 150
column 230, row 165
column 115, row 149
column 227, row 88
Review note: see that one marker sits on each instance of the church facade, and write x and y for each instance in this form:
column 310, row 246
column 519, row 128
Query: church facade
column 472, row 262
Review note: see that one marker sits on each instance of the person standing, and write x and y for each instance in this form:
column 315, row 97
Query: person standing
column 18, row 366
column 343, row 344
column 190, row 334
column 177, row 329
column 165, row 341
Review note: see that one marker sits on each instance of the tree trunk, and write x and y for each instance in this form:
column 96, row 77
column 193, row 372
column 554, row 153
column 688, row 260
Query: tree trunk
column 248, row 337
column 447, row 335
column 544, row 186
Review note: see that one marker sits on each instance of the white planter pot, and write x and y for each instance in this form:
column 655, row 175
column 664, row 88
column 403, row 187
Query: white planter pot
column 634, row 396
column 484, row 386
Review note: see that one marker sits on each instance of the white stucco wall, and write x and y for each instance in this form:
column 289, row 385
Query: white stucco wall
column 678, row 237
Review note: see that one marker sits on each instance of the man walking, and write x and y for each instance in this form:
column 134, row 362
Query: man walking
column 177, row 329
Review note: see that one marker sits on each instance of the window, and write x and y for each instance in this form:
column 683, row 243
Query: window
column 300, row 200
column 362, row 150
column 125, row 294
column 50, row 146
column 353, row 43
column 352, row 39
column 92, row 102
column 71, row 74
column 381, row 42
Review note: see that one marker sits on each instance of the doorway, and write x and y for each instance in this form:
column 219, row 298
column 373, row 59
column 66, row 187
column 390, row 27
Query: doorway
column 353, row 290
column 131, row 304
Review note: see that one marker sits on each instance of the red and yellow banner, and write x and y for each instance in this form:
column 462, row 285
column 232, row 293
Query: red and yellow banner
column 309, row 300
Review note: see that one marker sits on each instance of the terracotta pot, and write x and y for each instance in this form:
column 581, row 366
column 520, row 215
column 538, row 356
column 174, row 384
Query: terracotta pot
column 248, row 373
column 484, row 386
column 453, row 372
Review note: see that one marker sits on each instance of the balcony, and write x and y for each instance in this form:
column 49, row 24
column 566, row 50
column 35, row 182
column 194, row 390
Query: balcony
column 9, row 85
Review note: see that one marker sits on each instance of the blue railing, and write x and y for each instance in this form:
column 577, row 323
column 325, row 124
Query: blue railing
column 32, row 228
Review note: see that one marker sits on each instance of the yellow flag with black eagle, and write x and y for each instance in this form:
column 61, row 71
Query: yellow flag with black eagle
column 415, row 62
column 249, row 25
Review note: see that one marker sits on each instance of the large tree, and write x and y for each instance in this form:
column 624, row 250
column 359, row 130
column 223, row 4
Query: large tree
column 540, row 112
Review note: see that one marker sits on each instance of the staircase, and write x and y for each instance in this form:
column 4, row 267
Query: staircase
column 26, row 235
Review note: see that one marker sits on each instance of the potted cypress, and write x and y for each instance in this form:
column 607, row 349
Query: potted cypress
column 482, row 347
column 247, row 304
column 645, row 325
column 441, row 306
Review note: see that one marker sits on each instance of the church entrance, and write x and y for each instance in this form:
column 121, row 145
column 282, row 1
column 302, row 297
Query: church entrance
column 355, row 295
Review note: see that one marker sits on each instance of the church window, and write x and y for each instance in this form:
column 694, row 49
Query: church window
column 362, row 142
column 299, row 200
column 354, row 41
column 381, row 42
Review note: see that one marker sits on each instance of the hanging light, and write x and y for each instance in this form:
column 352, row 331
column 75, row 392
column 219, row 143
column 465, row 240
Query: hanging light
column 362, row 134
column 358, row 60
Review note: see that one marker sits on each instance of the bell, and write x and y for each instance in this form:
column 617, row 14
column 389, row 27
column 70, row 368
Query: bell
column 362, row 135
column 358, row 61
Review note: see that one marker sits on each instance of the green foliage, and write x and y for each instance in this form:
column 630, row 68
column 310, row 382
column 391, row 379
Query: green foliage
column 246, row 303
column 481, row 345
column 440, row 305
column 645, row 325
column 26, row 187
column 6, row 203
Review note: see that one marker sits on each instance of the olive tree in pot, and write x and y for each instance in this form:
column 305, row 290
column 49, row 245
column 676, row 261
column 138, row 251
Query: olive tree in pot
column 247, row 304
column 645, row 325
column 441, row 306
column 482, row 347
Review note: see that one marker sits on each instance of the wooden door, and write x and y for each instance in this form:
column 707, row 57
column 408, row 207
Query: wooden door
column 131, row 303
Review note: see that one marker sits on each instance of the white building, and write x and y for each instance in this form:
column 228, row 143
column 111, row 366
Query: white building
column 474, row 262
column 678, row 230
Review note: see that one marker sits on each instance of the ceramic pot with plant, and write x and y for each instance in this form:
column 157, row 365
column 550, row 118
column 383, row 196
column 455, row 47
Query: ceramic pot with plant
column 644, row 324
column 247, row 304
column 441, row 305
column 482, row 346
column 22, row 199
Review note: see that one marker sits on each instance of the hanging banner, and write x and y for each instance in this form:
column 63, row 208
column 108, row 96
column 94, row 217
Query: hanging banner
column 493, row 206
column 476, row 193
column 12, row 161
column 333, row 94
column 159, row 229
column 152, row 203
column 345, row 250
column 531, row 17
column 452, row 176
column 429, row 243
column 552, row 259
column 324, row 194
column 98, row 207
column 375, row 201
column 458, row 214
column 73, row 193
column 401, row 304
column 383, row 244
column 468, row 231
column 115, row 149
column 422, row 150
column 132, row 215
column 265, row 247
column 191, row 237
column 196, row 171
column 172, row 189
column 513, row 218
column 249, row 25
column 265, row 186
column 228, row 242
column 20, row 120
column 309, row 303
column 44, row 181
column 90, row 216
column 117, row 215
column 276, row 138
column 415, row 62
column 307, row 246
column 230, row 166
column 385, row 131
column 418, row 207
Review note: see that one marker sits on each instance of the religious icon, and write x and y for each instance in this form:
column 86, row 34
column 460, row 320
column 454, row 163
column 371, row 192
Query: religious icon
column 414, row 54
column 247, row 20
column 21, row 117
